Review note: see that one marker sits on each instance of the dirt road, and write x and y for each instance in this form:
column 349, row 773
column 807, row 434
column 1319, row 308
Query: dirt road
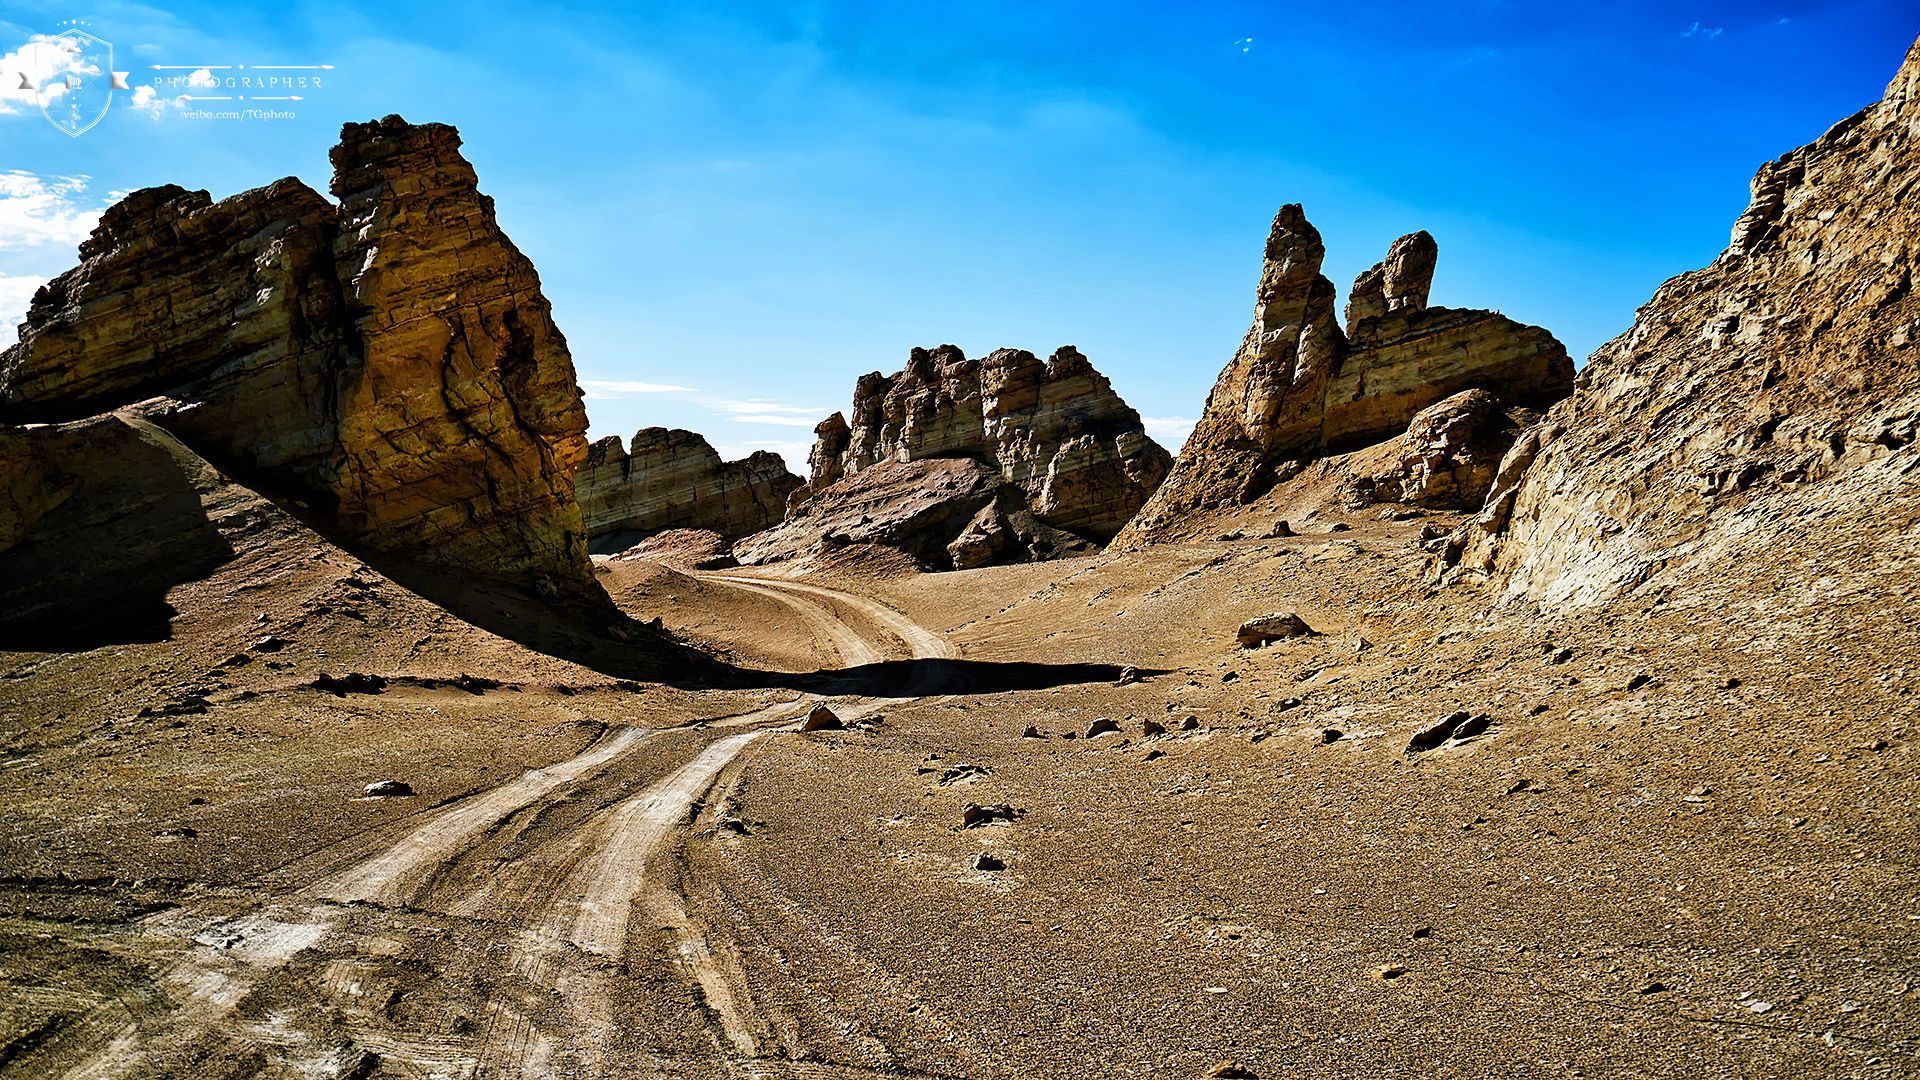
column 536, row 928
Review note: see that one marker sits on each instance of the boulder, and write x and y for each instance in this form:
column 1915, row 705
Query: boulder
column 1273, row 626
column 1450, row 454
column 386, row 789
column 822, row 719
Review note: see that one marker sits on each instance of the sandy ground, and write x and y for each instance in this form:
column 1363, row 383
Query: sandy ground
column 1683, row 845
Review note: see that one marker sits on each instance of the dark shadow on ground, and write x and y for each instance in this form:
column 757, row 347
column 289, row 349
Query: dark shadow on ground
column 921, row 678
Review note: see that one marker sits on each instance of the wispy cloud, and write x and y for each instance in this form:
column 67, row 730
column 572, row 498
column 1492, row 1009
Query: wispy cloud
column 42, row 58
column 790, row 421
column 1708, row 32
column 1168, row 430
column 758, row 405
column 607, row 389
column 794, row 454
column 36, row 211
column 15, row 294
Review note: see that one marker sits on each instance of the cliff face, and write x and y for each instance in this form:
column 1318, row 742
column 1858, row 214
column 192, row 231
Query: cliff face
column 1300, row 387
column 672, row 479
column 1055, row 430
column 388, row 364
column 1780, row 383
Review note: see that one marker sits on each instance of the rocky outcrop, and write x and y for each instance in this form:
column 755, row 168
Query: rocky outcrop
column 1449, row 455
column 386, row 365
column 99, row 518
column 947, row 513
column 671, row 479
column 1777, row 386
column 1301, row 388
column 1077, row 458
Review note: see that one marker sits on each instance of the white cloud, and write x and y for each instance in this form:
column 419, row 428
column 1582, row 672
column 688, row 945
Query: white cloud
column 759, row 406
column 793, row 453
column 608, row 389
column 203, row 80
column 791, row 421
column 36, row 211
column 1708, row 32
column 42, row 59
column 1169, row 431
column 15, row 294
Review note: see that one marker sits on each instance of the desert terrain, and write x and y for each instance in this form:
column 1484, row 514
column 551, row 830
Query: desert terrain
column 1437, row 711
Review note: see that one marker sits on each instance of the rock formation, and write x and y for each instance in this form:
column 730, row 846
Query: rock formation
column 387, row 365
column 1300, row 388
column 1077, row 459
column 671, row 479
column 1776, row 385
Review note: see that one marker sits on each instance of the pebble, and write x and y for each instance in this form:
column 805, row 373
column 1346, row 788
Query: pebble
column 986, row 861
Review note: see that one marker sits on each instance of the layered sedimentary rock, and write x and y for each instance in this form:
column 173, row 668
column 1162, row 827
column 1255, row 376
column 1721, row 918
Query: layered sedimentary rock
column 671, row 479
column 1054, row 429
column 387, row 364
column 1776, row 387
column 1449, row 455
column 1062, row 462
column 1301, row 388
column 951, row 513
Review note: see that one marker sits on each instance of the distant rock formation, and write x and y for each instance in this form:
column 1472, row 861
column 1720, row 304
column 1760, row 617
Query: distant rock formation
column 1778, row 386
column 671, row 479
column 388, row 366
column 1064, row 463
column 1300, row 388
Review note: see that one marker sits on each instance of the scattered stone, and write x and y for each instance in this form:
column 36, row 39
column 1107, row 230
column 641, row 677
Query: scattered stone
column 1153, row 755
column 973, row 815
column 1259, row 734
column 1390, row 971
column 1032, row 733
column 1286, row 703
column 1519, row 786
column 1758, row 1007
column 1420, row 932
column 1128, row 675
column 1191, row 723
column 1440, row 732
column 985, row 861
column 178, row 832
column 1653, row 988
column 1560, row 656
column 1229, row 676
column 196, row 801
column 386, row 789
column 1638, row 681
column 1230, row 1068
column 822, row 719
column 1151, row 727
column 1101, row 727
column 1280, row 529
column 1475, row 725
column 1729, row 683
column 1273, row 626
column 1067, row 735
column 352, row 683
column 1331, row 735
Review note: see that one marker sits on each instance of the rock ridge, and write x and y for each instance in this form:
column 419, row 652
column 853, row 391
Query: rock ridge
column 387, row 365
column 1302, row 387
column 672, row 479
column 1776, row 384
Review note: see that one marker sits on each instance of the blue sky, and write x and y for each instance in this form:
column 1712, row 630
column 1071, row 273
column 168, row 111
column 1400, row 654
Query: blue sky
column 758, row 202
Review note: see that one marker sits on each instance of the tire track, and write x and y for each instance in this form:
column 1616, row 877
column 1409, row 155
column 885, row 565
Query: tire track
column 546, row 928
